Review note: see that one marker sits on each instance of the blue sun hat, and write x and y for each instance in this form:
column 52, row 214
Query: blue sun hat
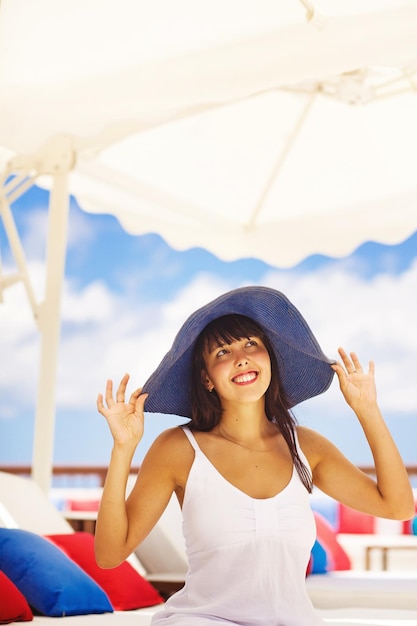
column 303, row 368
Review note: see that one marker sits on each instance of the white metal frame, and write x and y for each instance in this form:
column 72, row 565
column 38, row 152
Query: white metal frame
column 55, row 159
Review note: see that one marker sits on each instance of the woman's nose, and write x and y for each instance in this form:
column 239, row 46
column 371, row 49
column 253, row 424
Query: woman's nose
column 241, row 359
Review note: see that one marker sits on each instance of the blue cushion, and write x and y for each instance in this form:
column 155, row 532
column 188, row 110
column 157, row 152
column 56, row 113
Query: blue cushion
column 50, row 581
column 327, row 554
column 319, row 561
column 414, row 525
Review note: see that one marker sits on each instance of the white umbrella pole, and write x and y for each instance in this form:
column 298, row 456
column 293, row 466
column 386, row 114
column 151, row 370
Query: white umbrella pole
column 49, row 324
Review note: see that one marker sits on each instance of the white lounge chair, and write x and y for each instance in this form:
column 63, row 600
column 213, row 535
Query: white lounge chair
column 332, row 617
column 23, row 505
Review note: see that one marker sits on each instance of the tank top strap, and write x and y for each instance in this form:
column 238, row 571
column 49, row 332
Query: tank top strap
column 190, row 437
column 301, row 453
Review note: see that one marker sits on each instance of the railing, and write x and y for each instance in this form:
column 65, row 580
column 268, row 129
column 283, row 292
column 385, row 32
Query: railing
column 97, row 473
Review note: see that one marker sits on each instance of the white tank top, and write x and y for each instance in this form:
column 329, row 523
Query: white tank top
column 247, row 556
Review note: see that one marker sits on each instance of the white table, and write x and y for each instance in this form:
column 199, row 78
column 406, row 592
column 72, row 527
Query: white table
column 82, row 520
column 379, row 542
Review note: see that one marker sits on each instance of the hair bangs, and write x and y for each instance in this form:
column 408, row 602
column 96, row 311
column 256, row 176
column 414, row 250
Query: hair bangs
column 229, row 328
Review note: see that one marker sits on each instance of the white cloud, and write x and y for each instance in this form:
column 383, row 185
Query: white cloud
column 80, row 230
column 95, row 303
column 107, row 334
column 375, row 318
column 34, row 238
column 133, row 338
column 35, row 235
column 19, row 350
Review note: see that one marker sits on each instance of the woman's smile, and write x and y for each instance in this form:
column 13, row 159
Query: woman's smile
column 245, row 378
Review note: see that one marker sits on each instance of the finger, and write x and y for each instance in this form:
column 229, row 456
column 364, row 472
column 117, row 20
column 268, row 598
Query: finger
column 340, row 370
column 121, row 390
column 356, row 362
column 135, row 395
column 109, row 393
column 350, row 368
column 343, row 355
column 100, row 405
column 140, row 402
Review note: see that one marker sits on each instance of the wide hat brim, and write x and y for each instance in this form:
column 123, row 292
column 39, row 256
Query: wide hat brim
column 304, row 369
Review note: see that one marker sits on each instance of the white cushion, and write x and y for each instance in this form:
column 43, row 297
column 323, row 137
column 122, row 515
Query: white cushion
column 363, row 589
column 336, row 617
column 139, row 617
column 368, row 617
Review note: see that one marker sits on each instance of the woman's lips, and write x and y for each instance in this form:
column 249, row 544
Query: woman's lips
column 245, row 378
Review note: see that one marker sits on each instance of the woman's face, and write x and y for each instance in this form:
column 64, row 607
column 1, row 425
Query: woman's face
column 239, row 371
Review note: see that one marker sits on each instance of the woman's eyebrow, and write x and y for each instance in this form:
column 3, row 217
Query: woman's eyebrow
column 215, row 345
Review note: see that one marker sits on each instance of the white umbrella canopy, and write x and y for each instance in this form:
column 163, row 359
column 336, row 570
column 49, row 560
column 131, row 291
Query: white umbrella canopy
column 276, row 119
column 253, row 128
column 258, row 179
column 78, row 66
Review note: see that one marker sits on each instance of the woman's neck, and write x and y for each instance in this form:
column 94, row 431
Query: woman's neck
column 246, row 424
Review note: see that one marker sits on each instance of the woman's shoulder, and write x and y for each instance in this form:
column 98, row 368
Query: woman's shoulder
column 306, row 435
column 313, row 444
column 170, row 453
column 171, row 437
column 172, row 447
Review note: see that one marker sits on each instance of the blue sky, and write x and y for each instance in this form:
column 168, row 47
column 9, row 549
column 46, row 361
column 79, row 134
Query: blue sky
column 125, row 297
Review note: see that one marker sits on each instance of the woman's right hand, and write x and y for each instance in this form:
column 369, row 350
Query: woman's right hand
column 124, row 419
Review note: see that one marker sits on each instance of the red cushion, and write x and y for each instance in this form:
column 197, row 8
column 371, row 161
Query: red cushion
column 408, row 527
column 337, row 558
column 83, row 505
column 13, row 604
column 351, row 521
column 125, row 587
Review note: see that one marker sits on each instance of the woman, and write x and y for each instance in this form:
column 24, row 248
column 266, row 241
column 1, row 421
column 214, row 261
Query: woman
column 241, row 468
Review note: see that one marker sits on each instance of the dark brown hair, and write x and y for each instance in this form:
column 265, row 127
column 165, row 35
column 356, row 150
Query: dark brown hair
column 206, row 407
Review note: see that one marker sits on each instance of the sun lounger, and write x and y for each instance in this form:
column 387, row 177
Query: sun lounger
column 24, row 506
column 339, row 596
column 367, row 589
column 332, row 617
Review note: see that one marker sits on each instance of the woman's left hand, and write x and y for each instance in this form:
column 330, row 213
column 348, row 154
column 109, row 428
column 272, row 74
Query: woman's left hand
column 357, row 386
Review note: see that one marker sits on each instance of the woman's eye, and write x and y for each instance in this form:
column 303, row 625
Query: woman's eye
column 221, row 352
column 251, row 342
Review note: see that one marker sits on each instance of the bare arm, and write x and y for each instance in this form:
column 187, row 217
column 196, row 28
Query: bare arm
column 390, row 495
column 122, row 525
